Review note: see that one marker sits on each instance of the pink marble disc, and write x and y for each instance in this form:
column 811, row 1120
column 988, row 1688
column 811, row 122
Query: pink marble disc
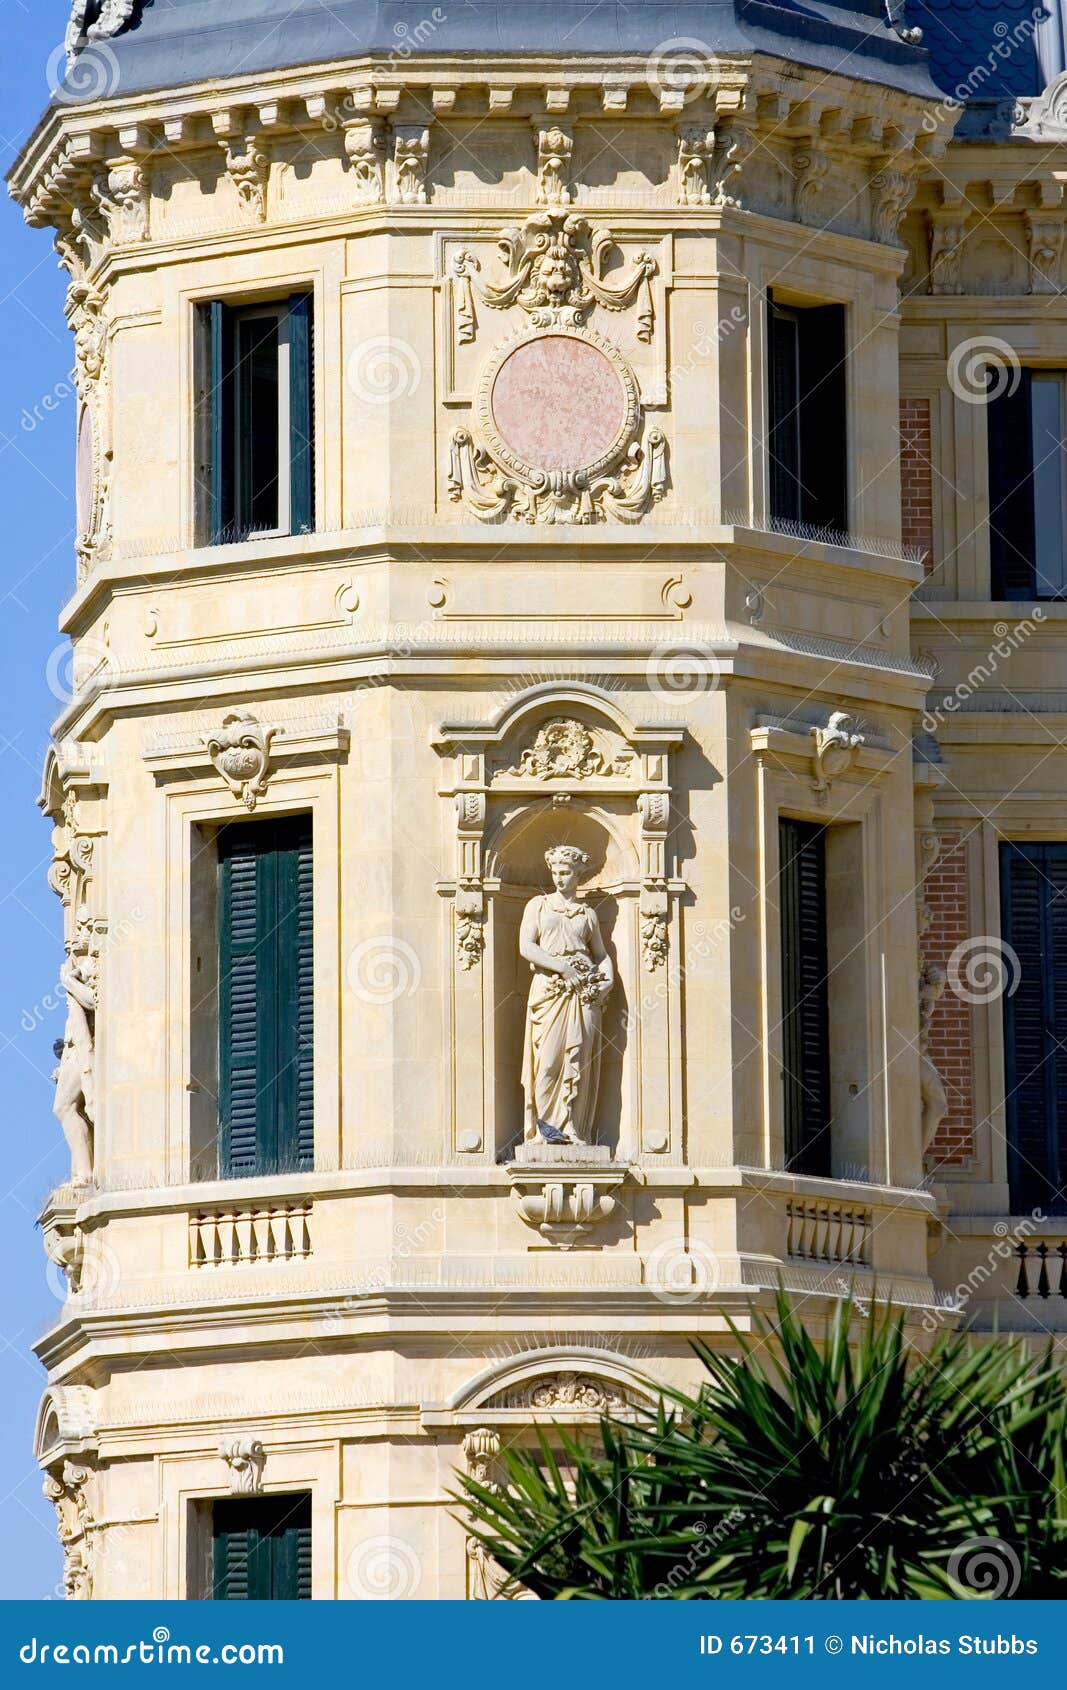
column 558, row 403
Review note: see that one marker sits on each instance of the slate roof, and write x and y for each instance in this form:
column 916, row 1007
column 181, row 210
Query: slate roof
column 174, row 42
column 963, row 37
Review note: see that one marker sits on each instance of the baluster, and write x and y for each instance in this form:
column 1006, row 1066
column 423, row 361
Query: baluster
column 305, row 1230
column 1022, row 1284
column 790, row 1243
column 1042, row 1278
column 1061, row 1251
column 196, row 1241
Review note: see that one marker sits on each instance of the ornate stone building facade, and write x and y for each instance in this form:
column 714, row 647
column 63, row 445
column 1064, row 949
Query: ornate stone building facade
column 568, row 714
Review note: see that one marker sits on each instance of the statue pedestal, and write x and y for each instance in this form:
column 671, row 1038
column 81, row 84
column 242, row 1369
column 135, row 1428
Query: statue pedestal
column 565, row 1190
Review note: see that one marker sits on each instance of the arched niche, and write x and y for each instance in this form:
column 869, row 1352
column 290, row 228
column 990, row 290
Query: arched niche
column 562, row 764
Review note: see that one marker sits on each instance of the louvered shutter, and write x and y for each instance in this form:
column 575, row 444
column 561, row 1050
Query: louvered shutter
column 243, row 974
column 1034, row 915
column 1011, row 492
column 261, row 1549
column 266, row 997
column 220, row 368
column 301, row 425
column 805, row 997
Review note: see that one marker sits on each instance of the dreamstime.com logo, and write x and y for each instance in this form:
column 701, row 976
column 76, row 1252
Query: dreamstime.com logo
column 155, row 1651
column 680, row 69
column 680, row 1272
column 382, row 369
column 983, row 969
column 683, row 669
column 987, row 1567
column 982, row 369
column 93, row 75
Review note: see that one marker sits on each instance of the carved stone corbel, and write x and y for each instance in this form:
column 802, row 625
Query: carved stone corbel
column 240, row 751
column 411, row 158
column 696, row 145
column 65, row 1487
column 891, row 192
column 123, row 197
column 1044, row 247
column 366, row 148
column 248, row 168
column 565, row 1190
column 734, row 147
column 948, row 232
column 811, row 169
column 555, row 147
column 245, row 1457
column 834, row 751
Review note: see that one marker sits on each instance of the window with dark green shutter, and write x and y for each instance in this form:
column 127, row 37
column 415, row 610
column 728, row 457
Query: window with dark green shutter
column 805, row 997
column 807, row 443
column 259, row 416
column 1034, row 918
column 1027, row 430
column 261, row 1549
column 266, row 997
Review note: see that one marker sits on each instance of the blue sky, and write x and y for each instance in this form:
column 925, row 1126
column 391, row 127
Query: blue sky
column 36, row 496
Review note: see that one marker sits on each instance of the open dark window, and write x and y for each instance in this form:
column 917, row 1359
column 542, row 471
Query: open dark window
column 1033, row 881
column 266, row 1006
column 808, row 449
column 805, row 997
column 1028, row 486
column 261, row 1549
column 260, row 462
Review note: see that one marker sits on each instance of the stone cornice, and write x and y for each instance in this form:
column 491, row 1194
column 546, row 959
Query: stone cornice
column 57, row 177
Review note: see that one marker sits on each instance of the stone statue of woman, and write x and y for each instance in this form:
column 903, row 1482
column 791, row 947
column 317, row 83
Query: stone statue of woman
column 572, row 975
column 75, row 1100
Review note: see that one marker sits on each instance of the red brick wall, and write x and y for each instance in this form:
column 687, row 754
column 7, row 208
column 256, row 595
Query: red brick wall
column 917, row 478
column 950, row 1029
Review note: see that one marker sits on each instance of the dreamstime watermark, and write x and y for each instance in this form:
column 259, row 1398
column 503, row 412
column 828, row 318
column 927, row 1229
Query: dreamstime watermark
column 953, row 1303
column 1008, row 42
column 983, row 368
column 71, row 667
column 1009, row 637
column 703, row 1547
column 986, row 1567
column 384, row 1568
column 983, row 969
column 408, row 1241
column 409, row 39
column 681, row 1271
column 382, row 370
column 156, row 1651
column 683, row 669
column 93, row 74
column 706, row 340
column 50, row 402
column 679, row 70
column 382, row 970
column 35, row 1016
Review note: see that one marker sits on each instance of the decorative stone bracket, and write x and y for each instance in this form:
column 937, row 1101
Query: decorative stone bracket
column 243, row 753
column 245, row 1456
column 565, row 1190
column 830, row 750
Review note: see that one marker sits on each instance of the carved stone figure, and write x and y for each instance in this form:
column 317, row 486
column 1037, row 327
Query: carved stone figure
column 75, row 1101
column 94, row 20
column 932, row 1091
column 563, row 748
column 240, row 751
column 556, row 273
column 835, row 748
column 573, row 974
